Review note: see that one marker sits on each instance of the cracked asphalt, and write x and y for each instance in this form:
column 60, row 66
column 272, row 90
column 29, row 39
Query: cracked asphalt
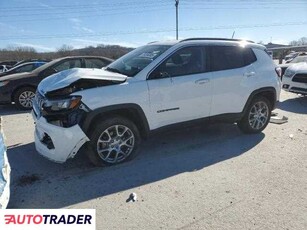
column 211, row 177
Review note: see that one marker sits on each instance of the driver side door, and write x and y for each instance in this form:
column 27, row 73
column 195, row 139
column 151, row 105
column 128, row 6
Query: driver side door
column 180, row 87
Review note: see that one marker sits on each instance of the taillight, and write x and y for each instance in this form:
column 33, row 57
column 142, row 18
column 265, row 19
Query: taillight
column 278, row 71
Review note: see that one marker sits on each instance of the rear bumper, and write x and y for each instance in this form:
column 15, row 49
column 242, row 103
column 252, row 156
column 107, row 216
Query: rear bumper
column 57, row 143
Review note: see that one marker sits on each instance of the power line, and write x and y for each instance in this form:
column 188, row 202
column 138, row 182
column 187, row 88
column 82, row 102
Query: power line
column 61, row 36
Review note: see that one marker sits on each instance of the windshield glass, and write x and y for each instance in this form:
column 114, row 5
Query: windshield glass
column 299, row 59
column 135, row 61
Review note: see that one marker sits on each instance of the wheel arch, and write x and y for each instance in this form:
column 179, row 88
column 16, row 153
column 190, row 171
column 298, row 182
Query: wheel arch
column 20, row 87
column 130, row 111
column 267, row 92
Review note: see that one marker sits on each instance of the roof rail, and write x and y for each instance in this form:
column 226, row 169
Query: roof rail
column 216, row 39
column 151, row 42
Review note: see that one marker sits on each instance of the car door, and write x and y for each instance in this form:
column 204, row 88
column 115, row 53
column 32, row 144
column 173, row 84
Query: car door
column 233, row 74
column 180, row 87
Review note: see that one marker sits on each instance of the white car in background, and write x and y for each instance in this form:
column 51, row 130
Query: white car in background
column 295, row 78
column 5, row 171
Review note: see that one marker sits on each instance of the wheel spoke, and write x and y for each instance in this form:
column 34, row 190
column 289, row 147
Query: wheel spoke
column 116, row 130
column 108, row 134
column 116, row 156
column 115, row 143
column 125, row 130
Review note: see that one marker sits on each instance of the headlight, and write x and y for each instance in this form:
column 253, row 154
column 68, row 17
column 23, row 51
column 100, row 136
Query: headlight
column 289, row 73
column 3, row 83
column 62, row 104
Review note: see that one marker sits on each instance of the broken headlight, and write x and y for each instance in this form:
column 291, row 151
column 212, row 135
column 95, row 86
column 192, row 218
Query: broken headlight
column 62, row 104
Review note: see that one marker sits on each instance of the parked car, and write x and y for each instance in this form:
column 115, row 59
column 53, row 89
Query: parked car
column 295, row 78
column 298, row 59
column 291, row 56
column 20, row 87
column 159, row 85
column 5, row 171
column 8, row 64
column 3, row 68
column 31, row 60
column 25, row 67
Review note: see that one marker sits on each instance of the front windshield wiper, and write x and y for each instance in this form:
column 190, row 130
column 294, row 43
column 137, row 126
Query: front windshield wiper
column 113, row 70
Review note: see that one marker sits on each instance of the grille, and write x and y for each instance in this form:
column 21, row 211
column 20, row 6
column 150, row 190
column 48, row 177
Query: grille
column 295, row 89
column 38, row 103
column 302, row 77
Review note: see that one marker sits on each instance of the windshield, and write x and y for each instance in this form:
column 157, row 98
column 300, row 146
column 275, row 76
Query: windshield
column 135, row 61
column 299, row 59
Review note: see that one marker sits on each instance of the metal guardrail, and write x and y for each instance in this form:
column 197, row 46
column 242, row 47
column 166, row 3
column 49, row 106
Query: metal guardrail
column 5, row 172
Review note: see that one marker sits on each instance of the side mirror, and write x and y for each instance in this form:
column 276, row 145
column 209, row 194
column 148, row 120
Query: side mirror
column 157, row 74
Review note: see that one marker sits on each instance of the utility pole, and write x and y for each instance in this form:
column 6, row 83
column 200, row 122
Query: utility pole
column 176, row 4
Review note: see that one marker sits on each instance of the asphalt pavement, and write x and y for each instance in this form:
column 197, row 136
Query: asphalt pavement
column 211, row 177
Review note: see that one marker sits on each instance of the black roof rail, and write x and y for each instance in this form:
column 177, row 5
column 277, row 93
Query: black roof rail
column 216, row 39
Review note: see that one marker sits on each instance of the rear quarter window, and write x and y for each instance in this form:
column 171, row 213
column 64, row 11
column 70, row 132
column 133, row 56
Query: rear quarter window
column 231, row 57
column 249, row 56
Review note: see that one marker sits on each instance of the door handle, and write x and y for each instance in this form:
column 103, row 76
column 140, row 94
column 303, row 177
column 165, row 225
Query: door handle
column 202, row 81
column 250, row 74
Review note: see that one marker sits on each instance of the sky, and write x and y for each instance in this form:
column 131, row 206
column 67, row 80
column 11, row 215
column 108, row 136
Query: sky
column 47, row 25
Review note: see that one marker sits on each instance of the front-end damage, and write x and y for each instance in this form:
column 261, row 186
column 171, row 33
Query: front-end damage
column 59, row 114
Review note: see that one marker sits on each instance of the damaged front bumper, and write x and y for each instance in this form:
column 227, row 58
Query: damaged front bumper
column 57, row 143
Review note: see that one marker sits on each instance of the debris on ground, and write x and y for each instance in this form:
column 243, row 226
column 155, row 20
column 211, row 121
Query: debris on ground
column 28, row 180
column 132, row 197
column 291, row 136
column 275, row 119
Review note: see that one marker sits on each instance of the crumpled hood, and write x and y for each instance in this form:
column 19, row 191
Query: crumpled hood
column 67, row 77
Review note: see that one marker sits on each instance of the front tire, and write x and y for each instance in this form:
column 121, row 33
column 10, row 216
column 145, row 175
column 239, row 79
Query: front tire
column 23, row 98
column 113, row 141
column 257, row 116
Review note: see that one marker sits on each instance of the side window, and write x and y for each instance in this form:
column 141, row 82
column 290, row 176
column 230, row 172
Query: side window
column 184, row 62
column 94, row 63
column 74, row 63
column 227, row 57
column 26, row 68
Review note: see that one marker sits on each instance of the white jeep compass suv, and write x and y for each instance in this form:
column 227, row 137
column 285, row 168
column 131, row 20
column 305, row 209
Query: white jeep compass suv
column 156, row 86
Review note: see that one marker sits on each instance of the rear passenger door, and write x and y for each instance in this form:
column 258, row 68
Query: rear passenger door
column 233, row 75
column 68, row 64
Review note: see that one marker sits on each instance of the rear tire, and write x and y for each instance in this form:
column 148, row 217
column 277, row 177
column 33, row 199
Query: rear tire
column 113, row 141
column 23, row 98
column 257, row 116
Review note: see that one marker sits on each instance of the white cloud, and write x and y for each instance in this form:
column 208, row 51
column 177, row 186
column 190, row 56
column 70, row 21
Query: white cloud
column 83, row 29
column 80, row 43
column 77, row 25
column 35, row 46
column 75, row 20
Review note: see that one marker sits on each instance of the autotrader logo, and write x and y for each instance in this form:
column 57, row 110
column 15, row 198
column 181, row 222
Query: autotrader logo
column 48, row 219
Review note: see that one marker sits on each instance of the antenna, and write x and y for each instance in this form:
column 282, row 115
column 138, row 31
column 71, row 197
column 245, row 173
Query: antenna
column 176, row 4
column 233, row 34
